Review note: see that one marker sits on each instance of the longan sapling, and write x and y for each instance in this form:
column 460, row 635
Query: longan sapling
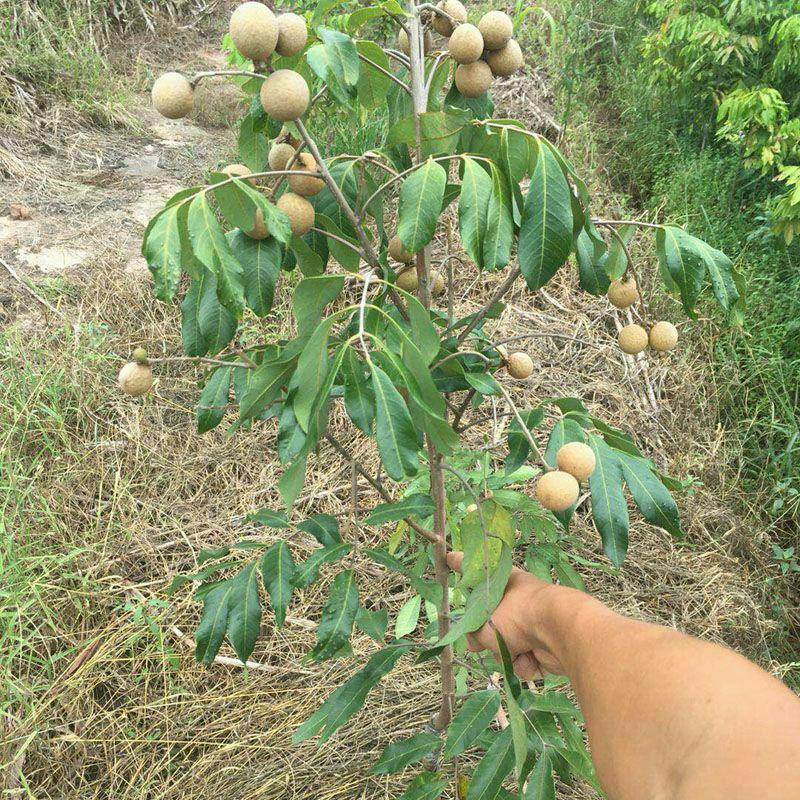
column 663, row 336
column 453, row 8
column 520, row 366
column 285, row 95
column 466, row 44
column 576, row 458
column 173, row 96
column 557, row 490
column 254, row 31
column 632, row 339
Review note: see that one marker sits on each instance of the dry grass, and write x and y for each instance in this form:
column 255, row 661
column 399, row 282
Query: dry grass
column 109, row 498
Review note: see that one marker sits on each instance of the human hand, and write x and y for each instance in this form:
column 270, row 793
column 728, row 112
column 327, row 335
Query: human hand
column 528, row 619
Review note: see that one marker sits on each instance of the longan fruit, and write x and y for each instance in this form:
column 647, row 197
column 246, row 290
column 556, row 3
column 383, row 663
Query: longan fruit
column 407, row 280
column 507, row 60
column 437, row 284
column 135, row 379
column 279, row 155
column 663, row 336
column 577, row 459
column 402, row 42
column 622, row 293
column 305, row 185
column 520, row 366
column 466, row 44
column 260, row 230
column 471, row 507
column 557, row 490
column 398, row 252
column 239, row 171
column 254, row 31
column 292, row 34
column 473, row 79
column 456, row 10
column 285, row 95
column 173, row 96
column 632, row 339
column 496, row 28
column 299, row 211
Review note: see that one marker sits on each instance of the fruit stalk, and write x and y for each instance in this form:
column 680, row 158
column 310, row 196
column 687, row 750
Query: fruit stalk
column 419, row 102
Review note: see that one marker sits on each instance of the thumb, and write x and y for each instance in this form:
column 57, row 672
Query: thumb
column 454, row 559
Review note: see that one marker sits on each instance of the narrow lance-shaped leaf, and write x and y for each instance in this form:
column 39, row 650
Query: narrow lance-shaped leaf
column 472, row 719
column 398, row 755
column 397, row 437
column 307, row 572
column 683, row 261
column 338, row 616
column 421, row 196
column 499, row 224
column 359, row 398
column 473, row 204
column 493, row 768
column 161, row 248
column 206, row 325
column 609, row 509
column 213, row 622
column 323, row 527
column 244, row 615
column 518, row 444
column 545, row 236
column 261, row 263
column 540, row 782
column 213, row 401
column 277, row 572
column 650, row 495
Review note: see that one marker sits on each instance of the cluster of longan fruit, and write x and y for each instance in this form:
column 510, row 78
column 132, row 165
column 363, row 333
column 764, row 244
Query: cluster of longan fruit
column 481, row 51
column 632, row 339
column 558, row 489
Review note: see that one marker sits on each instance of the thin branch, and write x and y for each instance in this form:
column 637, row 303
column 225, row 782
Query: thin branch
column 525, row 432
column 248, row 364
column 619, row 222
column 463, row 407
column 339, row 239
column 629, row 266
column 214, row 73
column 385, row 72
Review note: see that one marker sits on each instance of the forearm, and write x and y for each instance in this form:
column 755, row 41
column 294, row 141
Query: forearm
column 669, row 716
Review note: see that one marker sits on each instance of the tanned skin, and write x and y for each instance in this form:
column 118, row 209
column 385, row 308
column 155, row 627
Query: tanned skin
column 669, row 717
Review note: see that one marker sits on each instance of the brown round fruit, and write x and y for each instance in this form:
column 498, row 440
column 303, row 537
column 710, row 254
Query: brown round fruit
column 254, row 31
column 292, row 34
column 398, row 252
column 520, row 366
column 456, row 10
column 506, row 61
column 299, row 211
column 471, row 508
column 407, row 280
column 305, row 185
column 279, row 155
column 402, row 42
column 259, row 230
column 557, row 490
column 472, row 80
column 135, row 379
column 577, row 459
column 622, row 293
column 437, row 284
column 663, row 336
column 239, row 171
column 632, row 339
column 285, row 95
column 466, row 44
column 497, row 29
column 173, row 96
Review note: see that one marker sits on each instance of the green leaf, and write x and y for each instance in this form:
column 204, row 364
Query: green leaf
column 473, row 204
column 253, row 144
column 310, row 298
column 650, row 495
column 292, row 480
column 311, row 372
column 277, row 572
column 265, row 386
column 540, row 782
column 212, row 250
column 310, row 261
column 162, row 249
column 564, row 431
column 474, row 716
column 515, row 716
column 421, row 195
column 206, row 325
column 359, row 399
column 236, row 204
column 683, row 261
column 591, row 265
column 373, row 623
column 426, row 786
column 414, row 505
column 398, row 755
column 609, row 509
column 323, row 527
column 482, row 600
column 500, row 528
column 397, row 437
column 291, row 437
column 349, row 258
column 426, row 338
column 616, row 262
column 439, row 131
column 490, row 773
column 407, row 617
column 213, row 621
column 268, row 517
column 306, row 572
column 499, row 223
column 385, row 559
column 338, row 616
column 552, row 702
column 335, row 61
column 518, row 445
column 350, row 696
column 213, row 401
column 261, row 263
column 373, row 85
column 482, row 382
column 545, row 235
column 244, row 615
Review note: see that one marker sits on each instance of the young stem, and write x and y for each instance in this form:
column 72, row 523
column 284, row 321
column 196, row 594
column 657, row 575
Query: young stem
column 419, row 101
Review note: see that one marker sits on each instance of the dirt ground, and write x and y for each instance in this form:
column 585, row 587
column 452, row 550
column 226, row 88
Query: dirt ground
column 117, row 707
